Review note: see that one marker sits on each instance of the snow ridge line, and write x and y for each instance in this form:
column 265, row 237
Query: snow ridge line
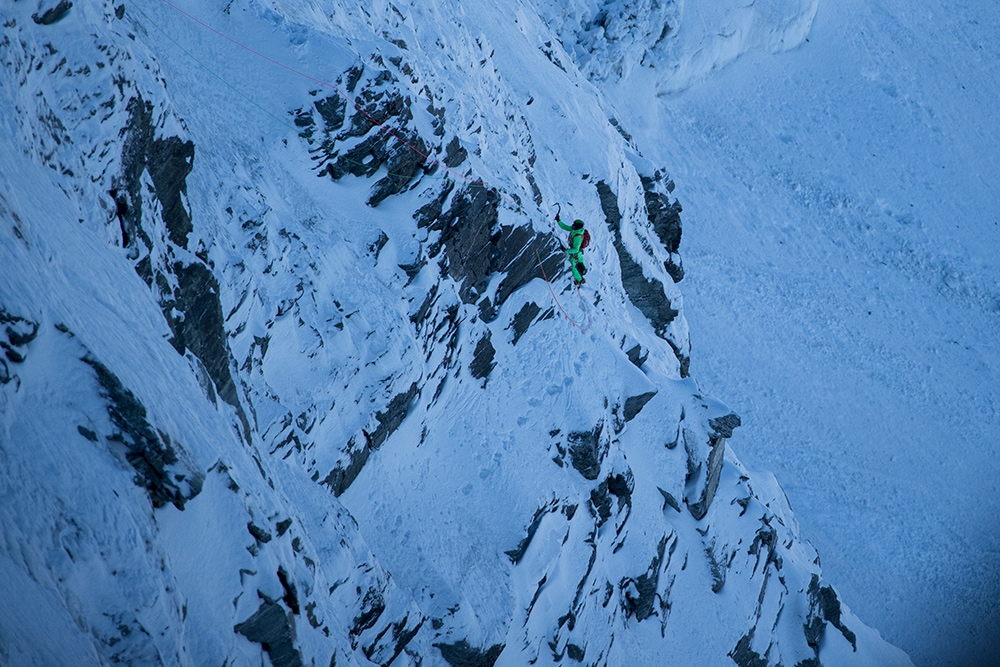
column 478, row 182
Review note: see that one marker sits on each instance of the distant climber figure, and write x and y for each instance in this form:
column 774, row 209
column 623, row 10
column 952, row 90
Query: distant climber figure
column 579, row 238
column 121, row 211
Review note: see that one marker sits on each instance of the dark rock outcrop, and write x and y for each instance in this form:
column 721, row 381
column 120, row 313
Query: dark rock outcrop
column 517, row 554
column 637, row 355
column 708, row 479
column 633, row 404
column 17, row 333
column 669, row 500
column 664, row 216
column 468, row 239
column 455, row 154
column 646, row 294
column 584, row 451
column 600, row 503
column 274, row 629
column 463, row 654
column 476, row 247
column 168, row 161
column 704, row 464
column 393, row 415
column 523, row 319
column 138, row 136
column 621, row 485
column 744, row 655
column 357, row 453
column 824, row 607
column 342, row 476
column 149, row 451
column 640, row 593
column 521, row 250
column 723, row 426
column 666, row 220
column 482, row 360
column 260, row 534
column 392, row 639
column 192, row 307
column 402, row 152
column 54, row 14
column 333, row 111
column 372, row 608
column 196, row 321
column 291, row 596
column 404, row 162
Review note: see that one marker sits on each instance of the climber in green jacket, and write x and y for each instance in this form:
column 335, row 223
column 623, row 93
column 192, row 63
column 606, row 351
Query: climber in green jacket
column 578, row 240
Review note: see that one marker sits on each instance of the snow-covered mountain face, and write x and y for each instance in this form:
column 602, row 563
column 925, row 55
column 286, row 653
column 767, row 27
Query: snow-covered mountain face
column 841, row 235
column 293, row 365
column 665, row 46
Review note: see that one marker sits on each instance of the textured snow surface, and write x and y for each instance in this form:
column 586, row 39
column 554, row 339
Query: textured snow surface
column 672, row 45
column 278, row 389
column 843, row 292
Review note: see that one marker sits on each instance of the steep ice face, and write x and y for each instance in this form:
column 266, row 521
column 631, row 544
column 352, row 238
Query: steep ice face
column 274, row 385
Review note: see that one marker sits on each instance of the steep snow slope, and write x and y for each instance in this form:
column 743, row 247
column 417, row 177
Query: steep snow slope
column 282, row 375
column 841, row 251
column 665, row 47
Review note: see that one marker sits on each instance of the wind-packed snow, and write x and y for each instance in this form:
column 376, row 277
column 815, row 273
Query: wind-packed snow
column 843, row 290
column 293, row 372
column 669, row 46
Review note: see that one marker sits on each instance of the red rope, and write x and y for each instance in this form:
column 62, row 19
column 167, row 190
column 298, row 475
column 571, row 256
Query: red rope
column 382, row 127
column 556, row 299
column 585, row 309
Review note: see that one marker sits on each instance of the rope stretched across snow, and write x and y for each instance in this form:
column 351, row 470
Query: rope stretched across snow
column 556, row 299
